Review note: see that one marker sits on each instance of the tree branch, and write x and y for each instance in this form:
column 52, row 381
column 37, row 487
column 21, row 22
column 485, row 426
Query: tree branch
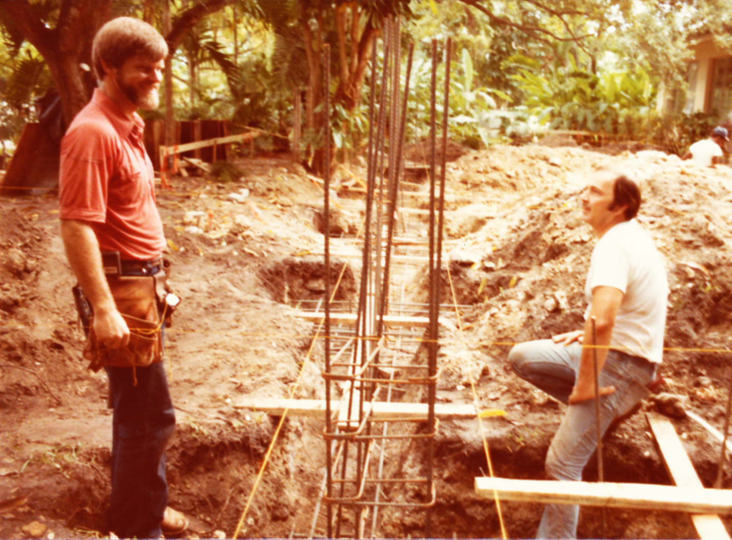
column 557, row 13
column 532, row 31
column 560, row 16
column 30, row 25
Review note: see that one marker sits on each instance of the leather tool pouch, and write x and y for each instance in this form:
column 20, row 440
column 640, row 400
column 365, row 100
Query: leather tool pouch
column 139, row 304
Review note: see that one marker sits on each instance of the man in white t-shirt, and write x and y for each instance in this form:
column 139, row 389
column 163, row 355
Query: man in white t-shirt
column 709, row 152
column 627, row 291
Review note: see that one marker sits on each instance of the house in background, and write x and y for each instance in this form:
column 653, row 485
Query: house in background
column 710, row 84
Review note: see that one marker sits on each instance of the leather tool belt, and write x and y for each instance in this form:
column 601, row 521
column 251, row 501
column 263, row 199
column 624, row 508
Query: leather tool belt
column 145, row 303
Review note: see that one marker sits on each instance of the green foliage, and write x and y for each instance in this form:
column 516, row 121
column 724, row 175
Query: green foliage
column 569, row 97
column 349, row 128
column 473, row 109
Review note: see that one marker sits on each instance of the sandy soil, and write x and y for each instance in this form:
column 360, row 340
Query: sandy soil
column 516, row 261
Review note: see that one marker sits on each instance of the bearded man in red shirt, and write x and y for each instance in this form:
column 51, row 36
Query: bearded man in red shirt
column 114, row 242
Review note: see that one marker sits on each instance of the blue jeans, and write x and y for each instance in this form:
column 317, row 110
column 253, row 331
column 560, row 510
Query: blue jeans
column 143, row 423
column 553, row 368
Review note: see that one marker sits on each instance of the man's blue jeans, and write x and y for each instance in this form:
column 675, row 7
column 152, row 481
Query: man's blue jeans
column 553, row 368
column 143, row 423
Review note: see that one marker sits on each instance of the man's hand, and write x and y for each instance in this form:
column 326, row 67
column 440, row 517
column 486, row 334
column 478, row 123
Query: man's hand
column 569, row 337
column 111, row 329
column 587, row 391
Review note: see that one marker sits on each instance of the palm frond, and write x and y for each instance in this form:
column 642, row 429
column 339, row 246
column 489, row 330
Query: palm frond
column 279, row 14
column 213, row 53
column 29, row 78
column 289, row 60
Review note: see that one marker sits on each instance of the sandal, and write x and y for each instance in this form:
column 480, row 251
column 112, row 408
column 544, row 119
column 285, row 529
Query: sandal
column 173, row 522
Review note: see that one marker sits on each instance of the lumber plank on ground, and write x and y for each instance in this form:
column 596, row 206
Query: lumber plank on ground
column 350, row 318
column 381, row 411
column 682, row 472
column 611, row 495
column 205, row 167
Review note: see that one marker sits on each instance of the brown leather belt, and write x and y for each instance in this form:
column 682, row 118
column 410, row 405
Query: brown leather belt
column 142, row 266
column 115, row 266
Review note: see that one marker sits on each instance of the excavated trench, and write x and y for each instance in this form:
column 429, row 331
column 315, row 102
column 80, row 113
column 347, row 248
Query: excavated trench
column 521, row 276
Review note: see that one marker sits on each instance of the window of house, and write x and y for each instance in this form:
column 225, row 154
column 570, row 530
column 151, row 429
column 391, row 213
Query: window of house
column 721, row 94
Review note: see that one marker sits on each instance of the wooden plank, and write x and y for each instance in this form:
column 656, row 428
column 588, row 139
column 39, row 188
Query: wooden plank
column 382, row 410
column 241, row 137
column 350, row 319
column 681, row 471
column 638, row 496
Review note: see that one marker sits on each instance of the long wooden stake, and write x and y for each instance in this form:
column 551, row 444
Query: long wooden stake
column 600, row 467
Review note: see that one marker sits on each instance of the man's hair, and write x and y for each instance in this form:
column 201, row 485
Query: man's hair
column 124, row 38
column 626, row 193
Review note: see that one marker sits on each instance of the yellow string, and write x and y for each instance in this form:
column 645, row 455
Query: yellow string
column 476, row 402
column 267, row 335
column 260, row 475
column 275, row 437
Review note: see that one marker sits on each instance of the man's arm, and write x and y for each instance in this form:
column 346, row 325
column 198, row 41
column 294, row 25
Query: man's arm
column 82, row 250
column 605, row 305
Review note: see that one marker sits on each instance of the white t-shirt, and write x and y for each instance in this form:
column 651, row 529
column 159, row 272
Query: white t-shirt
column 626, row 258
column 702, row 152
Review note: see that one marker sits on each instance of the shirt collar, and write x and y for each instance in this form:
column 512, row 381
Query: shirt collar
column 121, row 122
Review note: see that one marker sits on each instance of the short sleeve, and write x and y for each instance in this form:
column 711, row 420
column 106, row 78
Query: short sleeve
column 610, row 267
column 86, row 153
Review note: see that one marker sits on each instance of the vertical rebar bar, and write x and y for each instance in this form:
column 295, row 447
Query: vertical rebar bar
column 433, row 275
column 297, row 127
column 392, row 199
column 326, row 219
column 370, row 190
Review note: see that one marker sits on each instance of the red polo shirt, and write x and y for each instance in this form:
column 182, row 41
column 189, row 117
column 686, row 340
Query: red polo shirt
column 107, row 180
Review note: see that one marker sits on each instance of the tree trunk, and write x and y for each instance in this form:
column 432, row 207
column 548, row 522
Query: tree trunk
column 168, row 86
column 359, row 43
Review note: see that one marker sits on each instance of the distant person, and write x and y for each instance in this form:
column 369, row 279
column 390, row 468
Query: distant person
column 627, row 291
column 709, row 152
column 114, row 241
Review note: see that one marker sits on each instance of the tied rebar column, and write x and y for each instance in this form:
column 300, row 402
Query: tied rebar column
column 375, row 360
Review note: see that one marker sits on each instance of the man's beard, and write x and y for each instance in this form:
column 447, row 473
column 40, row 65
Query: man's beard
column 148, row 101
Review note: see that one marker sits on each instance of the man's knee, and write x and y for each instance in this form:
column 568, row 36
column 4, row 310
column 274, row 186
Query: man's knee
column 551, row 465
column 517, row 357
column 562, row 467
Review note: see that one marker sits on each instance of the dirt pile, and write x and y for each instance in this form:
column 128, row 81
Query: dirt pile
column 245, row 252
